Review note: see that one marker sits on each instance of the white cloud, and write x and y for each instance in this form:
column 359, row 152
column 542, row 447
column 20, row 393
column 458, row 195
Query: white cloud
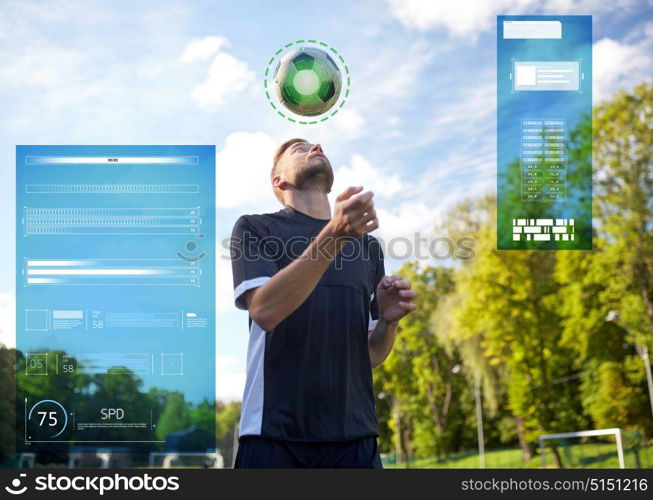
column 472, row 17
column 229, row 381
column 203, row 48
column 227, row 362
column 405, row 221
column 350, row 122
column 41, row 66
column 466, row 19
column 619, row 65
column 470, row 108
column 230, row 385
column 334, row 134
column 390, row 76
column 7, row 319
column 361, row 172
column 243, row 171
column 224, row 300
column 384, row 86
column 87, row 77
column 586, row 6
column 226, row 76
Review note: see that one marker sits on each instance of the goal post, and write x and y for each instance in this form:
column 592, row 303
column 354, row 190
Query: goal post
column 616, row 432
column 171, row 459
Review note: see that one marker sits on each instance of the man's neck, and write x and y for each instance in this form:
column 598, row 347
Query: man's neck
column 311, row 202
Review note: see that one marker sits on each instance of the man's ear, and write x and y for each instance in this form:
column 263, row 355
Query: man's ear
column 278, row 182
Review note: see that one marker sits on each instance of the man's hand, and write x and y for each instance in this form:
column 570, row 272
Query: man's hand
column 353, row 215
column 395, row 298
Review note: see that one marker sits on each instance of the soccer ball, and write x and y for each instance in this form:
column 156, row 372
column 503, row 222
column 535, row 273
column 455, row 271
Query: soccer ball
column 307, row 81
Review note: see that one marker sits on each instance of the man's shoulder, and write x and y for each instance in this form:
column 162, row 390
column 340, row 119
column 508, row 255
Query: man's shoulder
column 259, row 221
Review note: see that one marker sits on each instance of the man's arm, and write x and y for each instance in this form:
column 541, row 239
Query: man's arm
column 395, row 299
column 381, row 340
column 284, row 292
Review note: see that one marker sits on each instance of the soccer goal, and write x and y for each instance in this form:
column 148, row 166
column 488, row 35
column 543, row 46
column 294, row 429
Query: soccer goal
column 581, row 449
column 187, row 460
column 26, row 460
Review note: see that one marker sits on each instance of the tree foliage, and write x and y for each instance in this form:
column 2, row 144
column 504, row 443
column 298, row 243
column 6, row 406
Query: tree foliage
column 554, row 337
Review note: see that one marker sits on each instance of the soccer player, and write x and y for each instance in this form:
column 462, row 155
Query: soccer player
column 322, row 314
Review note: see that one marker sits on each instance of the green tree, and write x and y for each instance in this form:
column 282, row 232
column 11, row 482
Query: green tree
column 418, row 381
column 623, row 156
column 509, row 302
column 174, row 417
column 202, row 415
column 7, row 407
column 606, row 294
column 227, row 417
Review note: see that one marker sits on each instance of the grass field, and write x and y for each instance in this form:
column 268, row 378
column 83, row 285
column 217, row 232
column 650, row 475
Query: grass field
column 589, row 455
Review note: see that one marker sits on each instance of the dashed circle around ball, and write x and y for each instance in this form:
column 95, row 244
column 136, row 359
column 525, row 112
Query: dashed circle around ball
column 331, row 53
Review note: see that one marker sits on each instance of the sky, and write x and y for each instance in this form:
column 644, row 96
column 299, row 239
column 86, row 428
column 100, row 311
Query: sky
column 419, row 128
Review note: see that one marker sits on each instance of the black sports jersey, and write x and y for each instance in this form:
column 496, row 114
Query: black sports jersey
column 310, row 378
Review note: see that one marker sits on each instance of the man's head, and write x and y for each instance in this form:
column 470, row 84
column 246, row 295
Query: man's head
column 300, row 165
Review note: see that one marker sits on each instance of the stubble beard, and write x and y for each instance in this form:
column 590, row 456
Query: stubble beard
column 315, row 174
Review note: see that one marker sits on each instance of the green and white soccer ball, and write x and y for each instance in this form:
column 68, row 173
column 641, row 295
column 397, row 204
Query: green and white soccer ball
column 307, row 81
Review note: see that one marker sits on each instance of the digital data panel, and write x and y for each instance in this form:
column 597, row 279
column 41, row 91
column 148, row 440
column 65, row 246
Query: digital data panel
column 115, row 296
column 544, row 132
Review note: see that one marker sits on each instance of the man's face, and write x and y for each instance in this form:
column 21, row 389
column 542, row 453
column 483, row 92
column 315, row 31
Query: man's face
column 305, row 166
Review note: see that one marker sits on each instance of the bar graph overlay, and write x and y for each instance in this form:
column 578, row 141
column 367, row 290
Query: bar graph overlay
column 115, row 291
column 89, row 220
column 156, row 272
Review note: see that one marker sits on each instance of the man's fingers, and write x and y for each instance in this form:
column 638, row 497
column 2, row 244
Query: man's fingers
column 348, row 193
column 357, row 212
column 367, row 227
column 374, row 224
column 368, row 216
column 388, row 281
column 355, row 215
column 363, row 216
column 407, row 306
column 408, row 294
column 397, row 281
column 360, row 200
column 360, row 211
column 402, row 284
